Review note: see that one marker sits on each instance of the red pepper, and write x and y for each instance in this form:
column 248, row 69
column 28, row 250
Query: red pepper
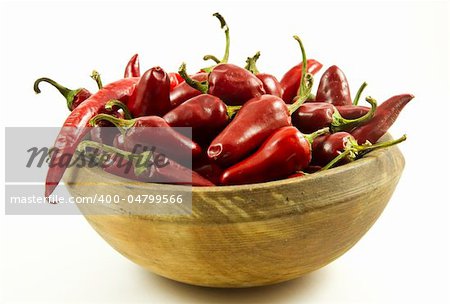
column 175, row 79
column 136, row 167
column 152, row 130
column 208, row 169
column 152, row 94
column 297, row 174
column 291, row 80
column 342, row 147
column 74, row 97
column 75, row 127
column 383, row 119
column 184, row 91
column 333, row 88
column 256, row 120
column 207, row 115
column 283, row 153
column 271, row 84
column 132, row 69
column 232, row 84
column 352, row 112
column 313, row 116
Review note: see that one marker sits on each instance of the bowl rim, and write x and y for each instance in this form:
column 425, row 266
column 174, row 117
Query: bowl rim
column 365, row 160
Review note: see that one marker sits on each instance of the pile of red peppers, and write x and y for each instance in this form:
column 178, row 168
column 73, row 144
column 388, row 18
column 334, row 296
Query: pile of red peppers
column 247, row 126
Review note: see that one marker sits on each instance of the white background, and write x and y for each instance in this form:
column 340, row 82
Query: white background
column 395, row 46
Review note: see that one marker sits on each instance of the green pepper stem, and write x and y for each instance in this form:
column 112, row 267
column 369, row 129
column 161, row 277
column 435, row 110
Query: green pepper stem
column 366, row 148
column 136, row 159
column 201, row 86
column 354, row 151
column 211, row 57
column 251, row 63
column 118, row 122
column 96, row 76
column 312, row 136
column 337, row 159
column 68, row 94
column 232, row 110
column 299, row 100
column 304, row 66
column 358, row 94
column 226, row 55
column 341, row 124
column 117, row 103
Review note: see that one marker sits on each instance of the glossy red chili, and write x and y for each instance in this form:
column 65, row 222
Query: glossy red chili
column 385, row 116
column 147, row 132
column 231, row 83
column 283, row 153
column 73, row 97
column 291, row 80
column 313, row 116
column 75, row 128
column 270, row 83
column 132, row 69
column 152, row 94
column 145, row 168
column 333, row 88
column 207, row 115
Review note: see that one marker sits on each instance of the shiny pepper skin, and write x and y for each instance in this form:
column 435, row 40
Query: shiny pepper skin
column 233, row 84
column 283, row 153
column 333, row 88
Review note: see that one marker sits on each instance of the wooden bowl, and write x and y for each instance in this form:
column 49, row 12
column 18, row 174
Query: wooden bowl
column 242, row 236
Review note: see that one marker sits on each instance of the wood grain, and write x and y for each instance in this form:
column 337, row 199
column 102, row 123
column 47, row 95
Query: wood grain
column 242, row 236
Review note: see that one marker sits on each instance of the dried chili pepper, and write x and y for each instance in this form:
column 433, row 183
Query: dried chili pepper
column 152, row 94
column 383, row 119
column 352, row 112
column 283, row 153
column 143, row 167
column 132, row 69
column 152, row 131
column 271, row 84
column 333, row 88
column 313, row 116
column 75, row 128
column 175, row 79
column 256, row 120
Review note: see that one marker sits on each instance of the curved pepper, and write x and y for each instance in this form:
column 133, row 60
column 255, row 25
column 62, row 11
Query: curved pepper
column 385, row 116
column 283, row 153
column 75, row 128
column 132, row 69
column 152, row 94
